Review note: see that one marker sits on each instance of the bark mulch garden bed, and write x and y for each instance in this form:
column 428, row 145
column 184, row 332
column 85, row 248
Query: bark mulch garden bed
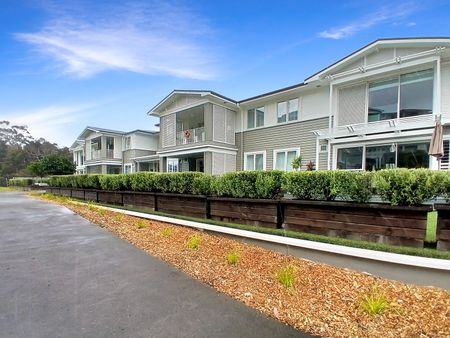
column 323, row 300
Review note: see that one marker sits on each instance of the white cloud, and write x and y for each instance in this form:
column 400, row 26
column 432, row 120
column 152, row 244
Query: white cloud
column 384, row 14
column 154, row 39
column 51, row 122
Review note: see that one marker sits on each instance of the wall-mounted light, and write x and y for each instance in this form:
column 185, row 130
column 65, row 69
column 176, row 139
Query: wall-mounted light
column 393, row 148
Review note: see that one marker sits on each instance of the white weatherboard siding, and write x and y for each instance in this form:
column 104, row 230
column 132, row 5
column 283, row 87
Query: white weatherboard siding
column 180, row 102
column 144, row 141
column 117, row 147
column 314, row 104
column 168, row 130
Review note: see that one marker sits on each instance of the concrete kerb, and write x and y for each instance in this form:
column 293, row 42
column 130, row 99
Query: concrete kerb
column 404, row 268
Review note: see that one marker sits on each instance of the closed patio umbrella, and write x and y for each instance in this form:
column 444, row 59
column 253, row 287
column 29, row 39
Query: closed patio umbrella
column 437, row 143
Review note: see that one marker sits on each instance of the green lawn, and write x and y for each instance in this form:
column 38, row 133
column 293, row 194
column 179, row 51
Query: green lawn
column 430, row 236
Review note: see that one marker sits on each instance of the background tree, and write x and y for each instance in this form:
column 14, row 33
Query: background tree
column 18, row 149
column 55, row 164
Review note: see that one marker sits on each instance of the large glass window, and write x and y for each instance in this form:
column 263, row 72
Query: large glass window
column 380, row 157
column 255, row 117
column 287, row 111
column 413, row 155
column 402, row 155
column 109, row 147
column 403, row 96
column 254, row 161
column 284, row 158
column 383, row 100
column 416, row 93
column 350, row 158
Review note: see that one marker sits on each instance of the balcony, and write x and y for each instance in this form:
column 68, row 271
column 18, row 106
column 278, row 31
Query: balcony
column 190, row 136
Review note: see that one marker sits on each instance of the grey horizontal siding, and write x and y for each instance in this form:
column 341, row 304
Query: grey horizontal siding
column 292, row 135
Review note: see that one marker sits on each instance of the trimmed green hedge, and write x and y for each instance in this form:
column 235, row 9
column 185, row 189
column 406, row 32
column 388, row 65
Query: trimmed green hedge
column 21, row 182
column 26, row 181
column 396, row 186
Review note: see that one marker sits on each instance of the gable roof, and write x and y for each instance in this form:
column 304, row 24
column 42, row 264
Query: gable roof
column 99, row 130
column 373, row 45
column 177, row 92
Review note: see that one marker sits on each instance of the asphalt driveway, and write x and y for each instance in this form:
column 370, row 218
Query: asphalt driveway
column 62, row 276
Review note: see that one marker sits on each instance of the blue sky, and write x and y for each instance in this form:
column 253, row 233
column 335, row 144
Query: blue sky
column 68, row 64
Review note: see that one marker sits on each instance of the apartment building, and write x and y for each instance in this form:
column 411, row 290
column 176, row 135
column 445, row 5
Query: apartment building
column 375, row 108
column 106, row 151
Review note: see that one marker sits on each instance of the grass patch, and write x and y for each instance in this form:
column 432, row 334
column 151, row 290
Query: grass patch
column 374, row 302
column 166, row 232
column 141, row 224
column 6, row 189
column 286, row 276
column 194, row 242
column 233, row 257
column 430, row 235
column 421, row 252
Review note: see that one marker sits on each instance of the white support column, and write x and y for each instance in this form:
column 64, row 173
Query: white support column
column 317, row 153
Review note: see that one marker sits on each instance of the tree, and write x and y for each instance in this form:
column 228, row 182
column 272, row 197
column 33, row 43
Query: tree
column 54, row 164
column 14, row 135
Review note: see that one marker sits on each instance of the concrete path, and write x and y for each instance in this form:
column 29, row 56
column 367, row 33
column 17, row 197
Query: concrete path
column 61, row 276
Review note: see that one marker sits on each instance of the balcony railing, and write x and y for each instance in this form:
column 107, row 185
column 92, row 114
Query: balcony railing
column 191, row 136
column 95, row 154
column 394, row 125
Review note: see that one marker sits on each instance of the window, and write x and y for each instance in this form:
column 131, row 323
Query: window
column 380, row 157
column 255, row 161
column 127, row 144
column 172, row 165
column 350, row 158
column 128, row 168
column 283, row 158
column 402, row 155
column 413, row 155
column 109, row 147
column 287, row 110
column 255, row 117
column 403, row 96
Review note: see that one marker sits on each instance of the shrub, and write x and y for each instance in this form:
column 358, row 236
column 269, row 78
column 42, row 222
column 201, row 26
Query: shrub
column 21, row 182
column 113, row 182
column 353, row 186
column 143, row 181
column 194, row 242
column 141, row 224
column 405, row 186
column 203, row 185
column 374, row 302
column 166, row 232
column 249, row 184
column 441, row 181
column 310, row 185
column 180, row 183
column 233, row 257
column 286, row 276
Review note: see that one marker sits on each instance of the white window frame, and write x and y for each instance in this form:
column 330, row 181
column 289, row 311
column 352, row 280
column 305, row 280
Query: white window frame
column 173, row 160
column 286, row 150
column 254, row 153
column 255, row 118
column 130, row 165
column 287, row 110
